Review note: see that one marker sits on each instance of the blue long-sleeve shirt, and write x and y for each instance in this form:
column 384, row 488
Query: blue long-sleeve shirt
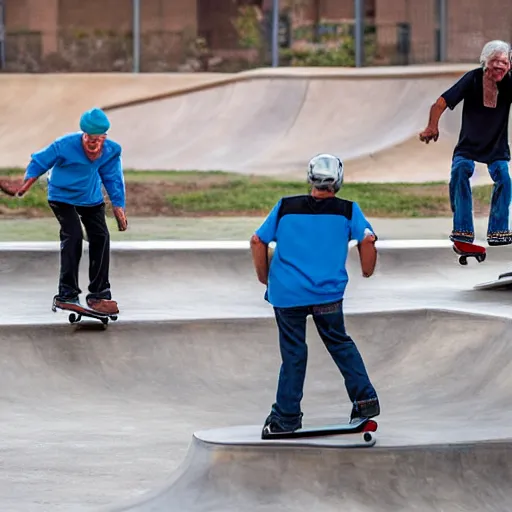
column 76, row 180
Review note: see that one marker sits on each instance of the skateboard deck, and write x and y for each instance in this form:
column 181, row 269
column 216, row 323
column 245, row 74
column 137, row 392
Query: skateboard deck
column 366, row 427
column 504, row 282
column 82, row 311
column 466, row 250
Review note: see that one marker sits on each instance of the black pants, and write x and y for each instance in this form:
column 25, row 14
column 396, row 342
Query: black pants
column 71, row 238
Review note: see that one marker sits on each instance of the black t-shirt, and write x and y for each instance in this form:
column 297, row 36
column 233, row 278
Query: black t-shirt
column 484, row 131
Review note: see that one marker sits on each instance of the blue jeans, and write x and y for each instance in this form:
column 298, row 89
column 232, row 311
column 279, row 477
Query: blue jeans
column 461, row 200
column 330, row 324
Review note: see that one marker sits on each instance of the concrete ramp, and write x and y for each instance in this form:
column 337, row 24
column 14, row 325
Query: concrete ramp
column 105, row 420
column 265, row 121
column 272, row 123
column 37, row 108
column 434, row 478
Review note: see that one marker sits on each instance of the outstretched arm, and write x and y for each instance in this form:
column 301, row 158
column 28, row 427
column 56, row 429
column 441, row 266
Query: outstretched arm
column 16, row 187
column 449, row 99
column 431, row 132
column 40, row 163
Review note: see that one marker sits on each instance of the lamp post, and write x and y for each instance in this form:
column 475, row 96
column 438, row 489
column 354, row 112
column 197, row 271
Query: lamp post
column 136, row 36
column 275, row 33
column 359, row 31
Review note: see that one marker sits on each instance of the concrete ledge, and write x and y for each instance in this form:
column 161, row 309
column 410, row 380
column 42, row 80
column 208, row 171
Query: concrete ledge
column 207, row 245
column 310, row 73
column 172, row 245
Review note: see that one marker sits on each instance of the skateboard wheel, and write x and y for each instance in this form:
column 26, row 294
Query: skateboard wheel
column 104, row 321
column 113, row 318
column 72, row 318
column 481, row 258
column 368, row 437
column 463, row 260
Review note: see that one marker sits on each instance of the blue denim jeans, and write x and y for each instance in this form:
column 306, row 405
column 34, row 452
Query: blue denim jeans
column 461, row 200
column 330, row 324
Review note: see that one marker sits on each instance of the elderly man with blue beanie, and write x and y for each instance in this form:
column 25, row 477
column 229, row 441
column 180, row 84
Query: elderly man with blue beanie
column 78, row 164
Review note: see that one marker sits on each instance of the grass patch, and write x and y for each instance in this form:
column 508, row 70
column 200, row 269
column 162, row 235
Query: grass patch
column 218, row 193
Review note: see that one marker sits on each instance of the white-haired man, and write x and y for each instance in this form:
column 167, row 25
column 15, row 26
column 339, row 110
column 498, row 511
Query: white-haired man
column 487, row 95
column 307, row 276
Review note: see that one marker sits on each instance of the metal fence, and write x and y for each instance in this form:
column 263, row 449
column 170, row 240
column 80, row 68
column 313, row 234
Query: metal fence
column 395, row 32
column 95, row 51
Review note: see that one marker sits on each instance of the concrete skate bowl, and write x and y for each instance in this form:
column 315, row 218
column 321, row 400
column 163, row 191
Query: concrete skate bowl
column 272, row 123
column 189, row 280
column 105, row 420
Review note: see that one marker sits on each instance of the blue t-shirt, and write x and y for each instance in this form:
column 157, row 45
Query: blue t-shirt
column 484, row 131
column 312, row 241
column 76, row 180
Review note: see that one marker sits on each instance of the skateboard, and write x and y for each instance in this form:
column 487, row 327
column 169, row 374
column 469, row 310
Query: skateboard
column 365, row 426
column 504, row 282
column 466, row 250
column 83, row 311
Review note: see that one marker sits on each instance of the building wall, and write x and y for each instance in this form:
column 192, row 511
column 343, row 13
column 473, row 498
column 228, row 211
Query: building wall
column 34, row 15
column 329, row 9
column 471, row 23
column 215, row 22
column 421, row 19
column 117, row 14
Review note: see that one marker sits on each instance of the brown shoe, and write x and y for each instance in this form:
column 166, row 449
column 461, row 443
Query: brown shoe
column 103, row 306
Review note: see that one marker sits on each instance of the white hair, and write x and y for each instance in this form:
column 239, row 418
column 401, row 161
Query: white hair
column 493, row 48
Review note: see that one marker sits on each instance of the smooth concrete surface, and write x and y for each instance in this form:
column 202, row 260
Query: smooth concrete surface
column 262, row 121
column 177, row 280
column 135, row 417
column 160, row 411
column 449, row 478
column 104, row 420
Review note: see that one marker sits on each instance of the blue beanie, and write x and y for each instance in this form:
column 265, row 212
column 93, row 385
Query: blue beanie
column 94, row 122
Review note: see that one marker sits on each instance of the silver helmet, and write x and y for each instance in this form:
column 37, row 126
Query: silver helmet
column 325, row 172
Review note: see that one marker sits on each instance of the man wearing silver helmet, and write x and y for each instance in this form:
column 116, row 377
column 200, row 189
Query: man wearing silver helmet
column 307, row 276
column 487, row 95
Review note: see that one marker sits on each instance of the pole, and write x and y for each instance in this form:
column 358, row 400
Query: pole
column 443, row 30
column 2, row 35
column 359, row 31
column 275, row 33
column 136, row 36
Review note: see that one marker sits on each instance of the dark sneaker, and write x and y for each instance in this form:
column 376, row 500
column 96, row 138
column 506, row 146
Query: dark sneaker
column 501, row 238
column 103, row 306
column 365, row 409
column 274, row 426
column 462, row 236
